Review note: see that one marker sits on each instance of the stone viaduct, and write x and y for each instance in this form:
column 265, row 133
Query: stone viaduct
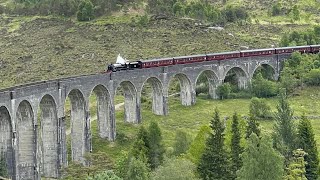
column 32, row 118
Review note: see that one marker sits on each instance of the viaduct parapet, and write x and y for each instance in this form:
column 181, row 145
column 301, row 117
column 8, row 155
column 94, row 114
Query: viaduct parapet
column 35, row 146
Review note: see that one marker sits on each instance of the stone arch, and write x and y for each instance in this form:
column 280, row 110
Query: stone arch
column 26, row 141
column 213, row 82
column 267, row 67
column 241, row 75
column 6, row 149
column 48, row 137
column 157, row 95
column 186, row 93
column 105, row 119
column 78, row 123
column 130, row 102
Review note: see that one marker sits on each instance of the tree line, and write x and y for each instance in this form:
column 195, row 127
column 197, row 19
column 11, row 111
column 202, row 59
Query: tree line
column 86, row 10
column 289, row 152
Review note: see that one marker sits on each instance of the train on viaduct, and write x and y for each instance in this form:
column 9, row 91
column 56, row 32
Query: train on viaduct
column 32, row 116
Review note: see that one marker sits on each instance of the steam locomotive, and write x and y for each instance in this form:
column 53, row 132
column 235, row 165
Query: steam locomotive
column 210, row 57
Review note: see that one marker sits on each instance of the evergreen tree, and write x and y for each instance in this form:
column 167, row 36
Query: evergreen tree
column 156, row 149
column 140, row 148
column 85, row 10
column 214, row 161
column 296, row 169
column 284, row 136
column 236, row 149
column 137, row 170
column 252, row 127
column 260, row 161
column 308, row 143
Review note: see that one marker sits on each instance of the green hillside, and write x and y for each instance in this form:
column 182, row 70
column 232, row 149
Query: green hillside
column 35, row 48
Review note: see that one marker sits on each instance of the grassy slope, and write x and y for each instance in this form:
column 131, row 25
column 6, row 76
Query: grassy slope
column 39, row 48
column 192, row 118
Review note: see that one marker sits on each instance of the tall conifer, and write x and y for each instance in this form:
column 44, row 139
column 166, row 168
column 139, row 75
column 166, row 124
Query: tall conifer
column 236, row 149
column 214, row 161
column 260, row 161
column 156, row 149
column 140, row 148
column 307, row 142
column 284, row 136
column 252, row 127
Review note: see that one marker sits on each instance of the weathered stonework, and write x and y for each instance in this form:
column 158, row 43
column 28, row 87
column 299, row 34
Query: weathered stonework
column 38, row 148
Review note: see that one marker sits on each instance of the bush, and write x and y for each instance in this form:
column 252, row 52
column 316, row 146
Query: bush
column 242, row 94
column 178, row 9
column 313, row 77
column 263, row 88
column 85, row 11
column 106, row 175
column 276, row 9
column 223, row 91
column 175, row 169
column 259, row 108
column 235, row 13
column 143, row 20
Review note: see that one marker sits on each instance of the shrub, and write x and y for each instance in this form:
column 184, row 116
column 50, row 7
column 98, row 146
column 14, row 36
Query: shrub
column 175, row 169
column 85, row 11
column 313, row 77
column 223, row 91
column 259, row 108
column 143, row 21
column 263, row 88
column 106, row 175
column 276, row 9
column 178, row 9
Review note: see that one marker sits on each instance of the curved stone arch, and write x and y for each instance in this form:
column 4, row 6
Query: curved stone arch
column 6, row 148
column 77, row 124
column 186, row 89
column 265, row 64
column 105, row 119
column 157, row 95
column 48, row 137
column 213, row 81
column 130, row 101
column 26, row 142
column 242, row 76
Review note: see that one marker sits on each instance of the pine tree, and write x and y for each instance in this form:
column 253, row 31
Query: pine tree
column 252, row 127
column 156, row 149
column 140, row 148
column 308, row 143
column 296, row 169
column 236, row 149
column 284, row 135
column 137, row 170
column 260, row 161
column 214, row 161
column 85, row 10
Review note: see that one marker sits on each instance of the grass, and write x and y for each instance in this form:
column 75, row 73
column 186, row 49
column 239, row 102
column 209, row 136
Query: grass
column 191, row 118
